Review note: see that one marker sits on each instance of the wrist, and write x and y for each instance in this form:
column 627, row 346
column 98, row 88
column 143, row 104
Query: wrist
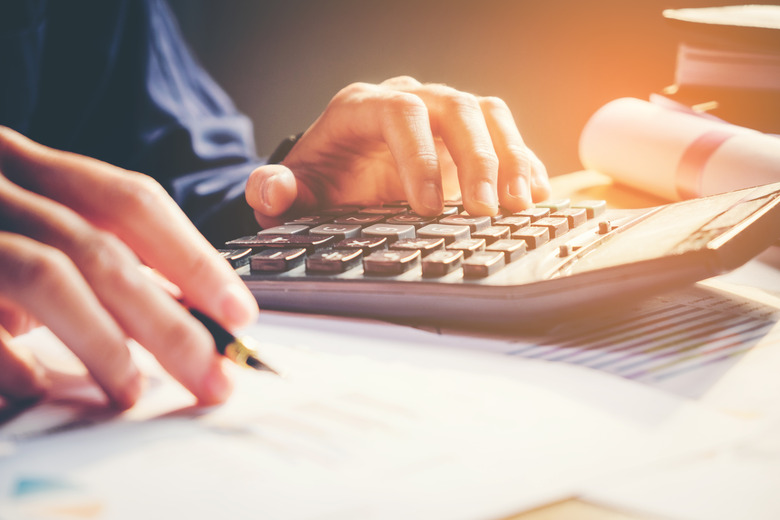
column 283, row 149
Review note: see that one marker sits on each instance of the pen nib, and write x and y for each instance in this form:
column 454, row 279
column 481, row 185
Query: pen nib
column 255, row 363
column 244, row 355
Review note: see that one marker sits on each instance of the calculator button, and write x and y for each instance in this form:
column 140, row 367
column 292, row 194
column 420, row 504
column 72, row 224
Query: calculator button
column 468, row 246
column 448, row 233
column 277, row 260
column 309, row 242
column 382, row 210
column 533, row 236
column 338, row 231
column 339, row 211
column 514, row 222
column 533, row 213
column 236, row 257
column 451, row 210
column 557, row 225
column 410, row 218
column 474, row 223
column 440, row 263
column 492, row 233
column 388, row 263
column 360, row 220
column 311, row 220
column 555, row 205
column 426, row 246
column 333, row 261
column 287, row 229
column 483, row 264
column 575, row 216
column 512, row 249
column 593, row 208
column 391, row 232
column 366, row 244
column 397, row 203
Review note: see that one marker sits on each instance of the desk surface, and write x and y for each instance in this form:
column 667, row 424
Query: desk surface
column 586, row 184
column 575, row 509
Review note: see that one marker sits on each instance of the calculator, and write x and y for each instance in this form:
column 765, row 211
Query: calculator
column 555, row 260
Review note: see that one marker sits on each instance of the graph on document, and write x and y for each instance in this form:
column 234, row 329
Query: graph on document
column 682, row 342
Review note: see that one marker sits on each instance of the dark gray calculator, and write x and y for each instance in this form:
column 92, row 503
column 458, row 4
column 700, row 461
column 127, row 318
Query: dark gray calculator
column 551, row 261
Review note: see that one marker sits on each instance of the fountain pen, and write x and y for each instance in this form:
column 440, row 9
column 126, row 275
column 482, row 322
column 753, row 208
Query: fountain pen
column 235, row 349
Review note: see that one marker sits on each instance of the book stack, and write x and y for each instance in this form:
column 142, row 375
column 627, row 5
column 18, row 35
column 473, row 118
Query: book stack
column 717, row 128
column 728, row 63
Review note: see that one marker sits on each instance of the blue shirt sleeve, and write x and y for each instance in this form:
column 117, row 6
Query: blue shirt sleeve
column 114, row 79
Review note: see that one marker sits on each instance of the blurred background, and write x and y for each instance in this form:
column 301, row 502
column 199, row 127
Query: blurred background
column 555, row 62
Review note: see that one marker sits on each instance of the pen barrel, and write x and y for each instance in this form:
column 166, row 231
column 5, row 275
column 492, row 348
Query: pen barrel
column 238, row 352
column 222, row 338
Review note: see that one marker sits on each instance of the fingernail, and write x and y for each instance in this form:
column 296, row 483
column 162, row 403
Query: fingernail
column 540, row 182
column 265, row 191
column 431, row 197
column 131, row 390
column 239, row 307
column 541, row 186
column 485, row 194
column 519, row 189
column 217, row 385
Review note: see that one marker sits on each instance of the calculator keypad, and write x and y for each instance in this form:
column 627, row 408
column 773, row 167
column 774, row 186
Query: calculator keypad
column 391, row 240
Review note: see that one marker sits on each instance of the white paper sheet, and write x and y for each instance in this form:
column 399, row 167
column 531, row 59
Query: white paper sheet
column 739, row 482
column 371, row 421
column 721, row 485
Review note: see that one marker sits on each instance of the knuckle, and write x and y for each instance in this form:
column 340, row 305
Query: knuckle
column 198, row 267
column 8, row 147
column 429, row 161
column 178, row 336
column 459, row 102
column 353, row 90
column 101, row 254
column 138, row 194
column 493, row 103
column 519, row 150
column 404, row 103
column 45, row 272
column 484, row 160
column 108, row 353
column 403, row 81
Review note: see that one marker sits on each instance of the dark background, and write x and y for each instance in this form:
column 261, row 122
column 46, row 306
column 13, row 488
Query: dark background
column 555, row 62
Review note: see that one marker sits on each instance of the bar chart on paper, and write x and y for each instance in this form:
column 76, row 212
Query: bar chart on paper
column 682, row 342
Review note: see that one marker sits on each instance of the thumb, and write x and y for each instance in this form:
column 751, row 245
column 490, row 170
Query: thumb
column 271, row 191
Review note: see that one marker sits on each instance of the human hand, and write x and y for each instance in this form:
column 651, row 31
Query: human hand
column 403, row 140
column 74, row 232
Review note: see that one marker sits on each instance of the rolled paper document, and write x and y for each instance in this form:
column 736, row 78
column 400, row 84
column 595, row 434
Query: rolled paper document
column 674, row 154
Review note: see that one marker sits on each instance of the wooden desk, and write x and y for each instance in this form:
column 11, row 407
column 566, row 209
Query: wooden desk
column 586, row 184
column 575, row 509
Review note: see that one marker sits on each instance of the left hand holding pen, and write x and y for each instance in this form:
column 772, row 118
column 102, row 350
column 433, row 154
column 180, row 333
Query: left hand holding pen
column 403, row 139
column 73, row 233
